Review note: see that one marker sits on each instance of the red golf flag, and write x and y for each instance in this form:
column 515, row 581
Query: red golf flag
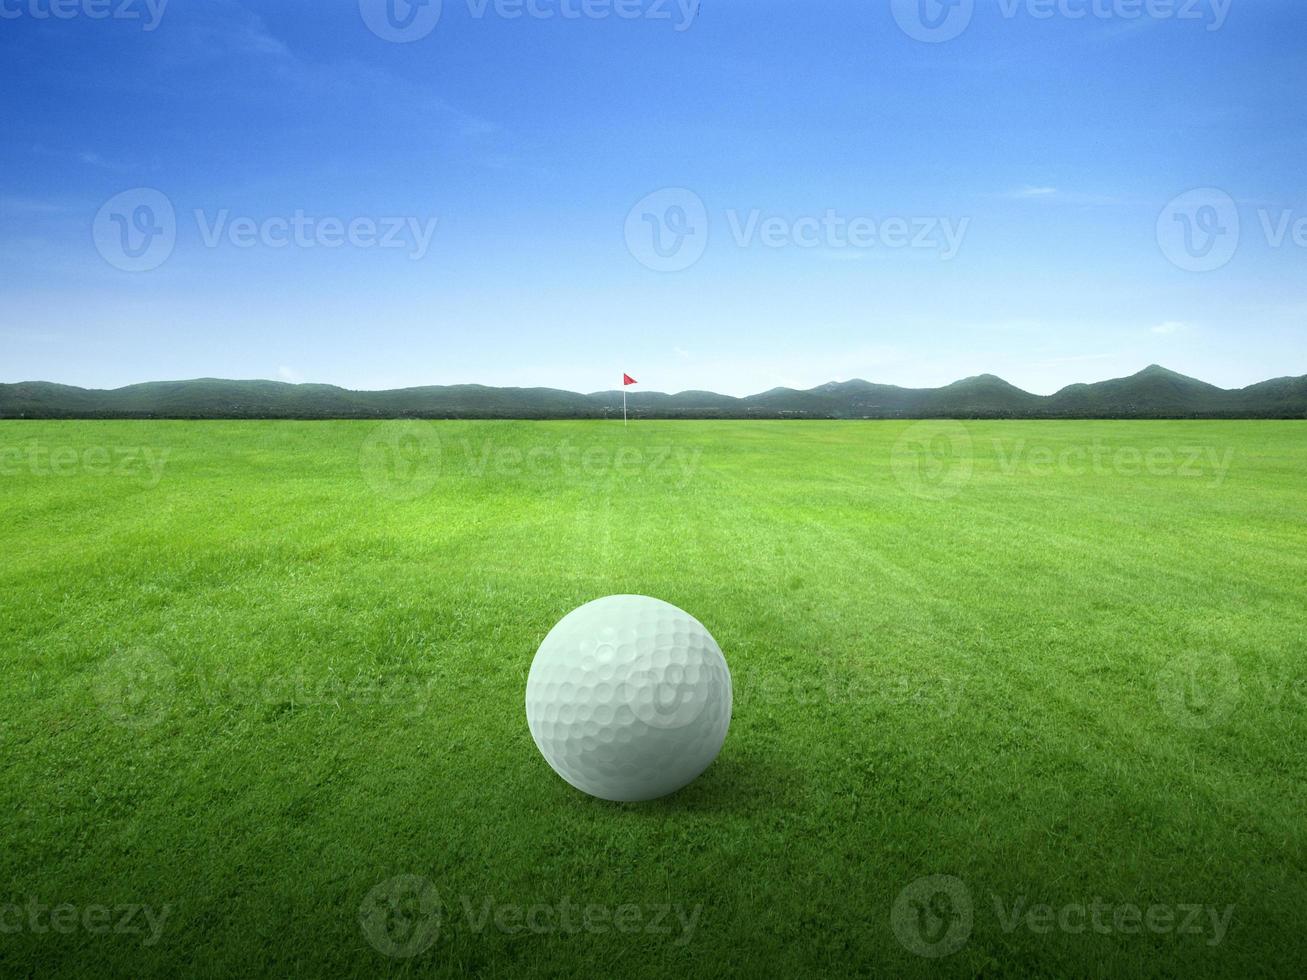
column 628, row 380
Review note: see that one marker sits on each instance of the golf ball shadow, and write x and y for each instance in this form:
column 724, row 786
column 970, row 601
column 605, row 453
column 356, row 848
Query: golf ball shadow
column 629, row 698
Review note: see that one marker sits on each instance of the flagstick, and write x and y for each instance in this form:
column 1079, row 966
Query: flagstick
column 624, row 423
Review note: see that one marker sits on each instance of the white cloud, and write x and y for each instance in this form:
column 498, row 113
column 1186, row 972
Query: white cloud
column 1042, row 192
column 1169, row 327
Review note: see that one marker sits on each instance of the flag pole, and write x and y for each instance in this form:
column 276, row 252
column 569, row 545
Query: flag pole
column 627, row 381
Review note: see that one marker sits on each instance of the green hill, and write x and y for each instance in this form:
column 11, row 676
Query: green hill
column 1154, row 392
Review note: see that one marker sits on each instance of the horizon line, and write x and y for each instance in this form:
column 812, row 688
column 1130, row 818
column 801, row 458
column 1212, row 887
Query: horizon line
column 617, row 391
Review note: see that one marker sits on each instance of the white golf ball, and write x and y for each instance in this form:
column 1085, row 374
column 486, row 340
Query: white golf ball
column 629, row 698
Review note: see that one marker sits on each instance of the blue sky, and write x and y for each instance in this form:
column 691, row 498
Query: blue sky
column 839, row 196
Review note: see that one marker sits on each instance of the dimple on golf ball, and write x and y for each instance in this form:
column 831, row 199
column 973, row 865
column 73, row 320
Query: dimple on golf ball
column 629, row 698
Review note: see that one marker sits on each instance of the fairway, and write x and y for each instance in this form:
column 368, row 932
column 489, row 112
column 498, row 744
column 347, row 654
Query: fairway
column 1011, row 698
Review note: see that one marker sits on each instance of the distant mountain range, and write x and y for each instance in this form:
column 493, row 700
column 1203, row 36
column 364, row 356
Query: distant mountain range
column 1154, row 393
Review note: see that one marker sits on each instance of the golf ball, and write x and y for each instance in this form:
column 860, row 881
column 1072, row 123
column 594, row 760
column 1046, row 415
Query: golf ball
column 629, row 698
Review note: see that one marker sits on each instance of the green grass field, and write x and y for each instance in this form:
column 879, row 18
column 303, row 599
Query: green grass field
column 263, row 686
